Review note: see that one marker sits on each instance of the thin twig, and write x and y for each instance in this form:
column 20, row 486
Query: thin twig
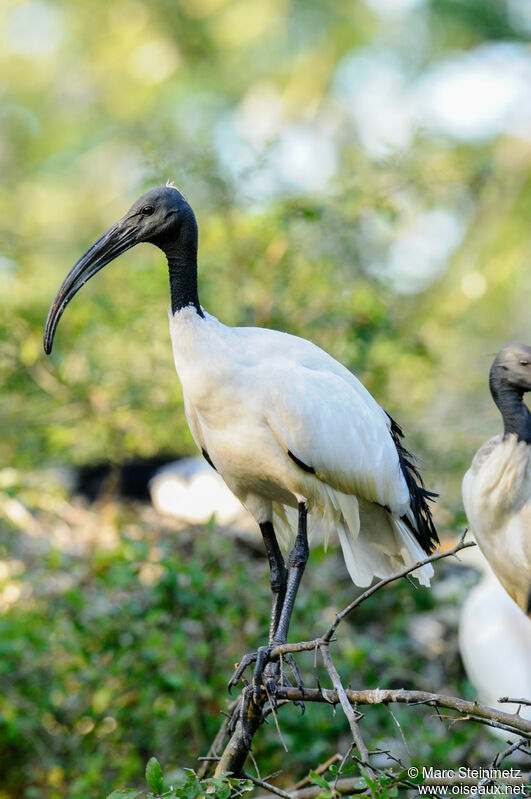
column 267, row 786
column 510, row 749
column 318, row 770
column 506, row 699
column 344, row 760
column 348, row 785
column 255, row 764
column 275, row 717
column 267, row 711
column 400, row 730
column 345, row 704
column 381, row 583
column 387, row 773
column 304, row 646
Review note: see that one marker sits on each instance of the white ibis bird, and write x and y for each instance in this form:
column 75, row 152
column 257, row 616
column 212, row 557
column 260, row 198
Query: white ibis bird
column 193, row 492
column 494, row 641
column 497, row 487
column 296, row 437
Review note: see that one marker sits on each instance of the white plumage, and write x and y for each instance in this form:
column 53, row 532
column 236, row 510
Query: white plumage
column 497, row 487
column 497, row 500
column 495, row 642
column 252, row 395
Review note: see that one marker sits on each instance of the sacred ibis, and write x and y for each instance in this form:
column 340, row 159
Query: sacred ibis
column 295, row 436
column 494, row 641
column 497, row 487
column 193, row 492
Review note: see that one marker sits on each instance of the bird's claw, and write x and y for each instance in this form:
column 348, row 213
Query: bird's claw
column 260, row 657
column 298, row 679
column 240, row 668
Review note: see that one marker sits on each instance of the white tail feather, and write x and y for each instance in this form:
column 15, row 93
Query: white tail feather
column 374, row 543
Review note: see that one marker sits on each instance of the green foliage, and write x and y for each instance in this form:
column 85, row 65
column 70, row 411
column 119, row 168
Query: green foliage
column 124, row 793
column 380, row 784
column 118, row 634
column 189, row 787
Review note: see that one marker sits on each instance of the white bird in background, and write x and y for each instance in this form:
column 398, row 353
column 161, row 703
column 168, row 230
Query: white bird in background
column 497, row 487
column 296, row 437
column 193, row 492
column 495, row 641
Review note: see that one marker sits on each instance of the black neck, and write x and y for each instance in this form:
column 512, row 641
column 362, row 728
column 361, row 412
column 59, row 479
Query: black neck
column 515, row 414
column 182, row 265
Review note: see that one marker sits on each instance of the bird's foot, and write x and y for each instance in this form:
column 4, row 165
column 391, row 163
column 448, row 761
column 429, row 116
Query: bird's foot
column 267, row 676
column 273, row 676
column 266, row 673
column 240, row 668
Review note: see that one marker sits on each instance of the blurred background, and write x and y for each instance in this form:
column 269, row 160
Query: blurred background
column 361, row 175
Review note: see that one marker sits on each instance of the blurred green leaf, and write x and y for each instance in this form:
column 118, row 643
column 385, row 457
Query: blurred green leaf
column 318, row 780
column 154, row 775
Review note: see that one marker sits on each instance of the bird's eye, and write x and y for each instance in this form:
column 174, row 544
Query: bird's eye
column 147, row 210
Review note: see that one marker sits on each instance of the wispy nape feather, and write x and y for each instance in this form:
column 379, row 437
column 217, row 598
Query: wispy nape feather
column 171, row 185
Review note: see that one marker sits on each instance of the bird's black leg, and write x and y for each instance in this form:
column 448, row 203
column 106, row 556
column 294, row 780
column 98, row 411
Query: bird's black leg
column 278, row 575
column 297, row 562
column 284, row 585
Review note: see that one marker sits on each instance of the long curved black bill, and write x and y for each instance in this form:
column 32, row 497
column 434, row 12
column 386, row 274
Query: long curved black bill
column 113, row 243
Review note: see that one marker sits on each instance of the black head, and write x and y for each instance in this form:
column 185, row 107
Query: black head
column 159, row 216
column 511, row 368
column 162, row 217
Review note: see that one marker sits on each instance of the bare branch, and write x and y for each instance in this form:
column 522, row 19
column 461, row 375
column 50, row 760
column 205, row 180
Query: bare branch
column 345, row 704
column 487, row 722
column 507, row 699
column 348, row 785
column 381, row 583
column 379, row 696
column 523, row 746
column 237, row 749
column 400, row 730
